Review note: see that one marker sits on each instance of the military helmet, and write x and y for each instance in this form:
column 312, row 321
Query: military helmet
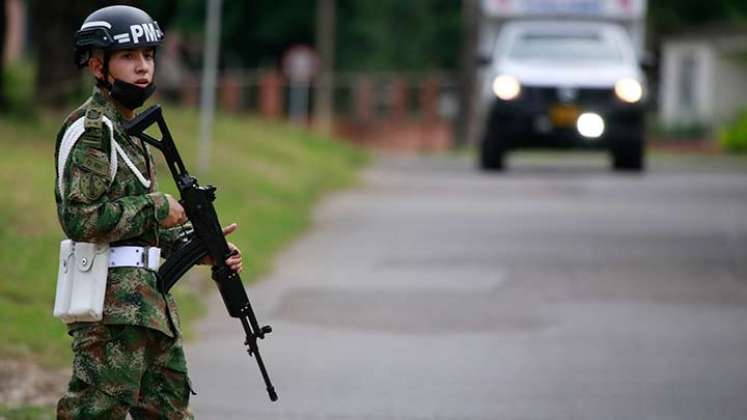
column 115, row 28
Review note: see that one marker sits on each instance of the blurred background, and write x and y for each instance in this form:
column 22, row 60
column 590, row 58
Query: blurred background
column 433, row 290
column 392, row 73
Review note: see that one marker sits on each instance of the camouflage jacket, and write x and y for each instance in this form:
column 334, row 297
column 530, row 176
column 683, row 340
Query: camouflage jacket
column 93, row 207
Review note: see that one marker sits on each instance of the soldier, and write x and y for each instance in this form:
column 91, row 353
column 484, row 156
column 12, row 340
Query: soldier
column 132, row 360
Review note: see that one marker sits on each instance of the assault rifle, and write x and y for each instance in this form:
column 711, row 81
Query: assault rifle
column 205, row 238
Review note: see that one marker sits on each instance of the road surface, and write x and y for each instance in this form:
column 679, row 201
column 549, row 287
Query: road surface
column 558, row 290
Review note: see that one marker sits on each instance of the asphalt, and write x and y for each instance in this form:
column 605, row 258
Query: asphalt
column 558, row 290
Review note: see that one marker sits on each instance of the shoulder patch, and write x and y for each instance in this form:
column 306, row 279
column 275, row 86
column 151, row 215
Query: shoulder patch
column 93, row 118
column 92, row 160
column 93, row 128
column 93, row 137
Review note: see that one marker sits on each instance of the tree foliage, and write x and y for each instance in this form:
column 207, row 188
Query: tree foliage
column 380, row 35
column 667, row 16
column 53, row 25
column 371, row 35
column 398, row 35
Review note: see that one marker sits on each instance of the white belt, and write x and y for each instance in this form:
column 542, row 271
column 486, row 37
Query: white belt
column 135, row 256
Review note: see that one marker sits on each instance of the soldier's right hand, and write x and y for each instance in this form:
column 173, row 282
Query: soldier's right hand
column 176, row 216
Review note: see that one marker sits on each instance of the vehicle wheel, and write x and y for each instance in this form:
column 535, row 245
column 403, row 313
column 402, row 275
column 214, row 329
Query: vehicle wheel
column 628, row 155
column 492, row 154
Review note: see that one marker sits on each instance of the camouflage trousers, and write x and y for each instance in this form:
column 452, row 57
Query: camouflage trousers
column 120, row 369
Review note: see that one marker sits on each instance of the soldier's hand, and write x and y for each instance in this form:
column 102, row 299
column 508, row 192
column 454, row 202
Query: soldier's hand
column 176, row 216
column 234, row 260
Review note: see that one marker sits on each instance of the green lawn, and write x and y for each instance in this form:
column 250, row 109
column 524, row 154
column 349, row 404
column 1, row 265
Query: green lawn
column 268, row 176
column 27, row 413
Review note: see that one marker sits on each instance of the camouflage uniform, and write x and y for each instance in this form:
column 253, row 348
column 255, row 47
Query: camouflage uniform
column 132, row 360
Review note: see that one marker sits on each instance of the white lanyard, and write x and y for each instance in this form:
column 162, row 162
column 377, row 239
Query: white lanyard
column 71, row 136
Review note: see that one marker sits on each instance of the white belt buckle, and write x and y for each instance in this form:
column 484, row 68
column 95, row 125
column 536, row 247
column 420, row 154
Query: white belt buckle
column 135, row 256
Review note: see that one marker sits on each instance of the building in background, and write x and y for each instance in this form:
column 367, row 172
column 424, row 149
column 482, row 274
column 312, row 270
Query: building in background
column 703, row 78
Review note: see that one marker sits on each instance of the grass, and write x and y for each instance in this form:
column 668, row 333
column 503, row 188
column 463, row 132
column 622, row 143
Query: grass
column 27, row 413
column 18, row 82
column 268, row 177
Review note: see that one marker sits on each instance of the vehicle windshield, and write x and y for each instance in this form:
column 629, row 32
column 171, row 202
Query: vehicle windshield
column 556, row 46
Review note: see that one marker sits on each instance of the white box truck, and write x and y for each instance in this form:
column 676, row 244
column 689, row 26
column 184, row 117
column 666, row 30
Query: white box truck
column 563, row 74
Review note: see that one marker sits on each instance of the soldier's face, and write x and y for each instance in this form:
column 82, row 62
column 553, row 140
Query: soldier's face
column 132, row 66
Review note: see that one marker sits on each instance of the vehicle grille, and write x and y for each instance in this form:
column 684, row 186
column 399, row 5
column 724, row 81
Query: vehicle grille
column 552, row 95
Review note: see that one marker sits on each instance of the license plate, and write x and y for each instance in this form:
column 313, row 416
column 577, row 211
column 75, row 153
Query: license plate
column 564, row 115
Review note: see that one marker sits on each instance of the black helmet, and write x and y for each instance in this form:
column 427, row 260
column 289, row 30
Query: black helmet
column 115, row 28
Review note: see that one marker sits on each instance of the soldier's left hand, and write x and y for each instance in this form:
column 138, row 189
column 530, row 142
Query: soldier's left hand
column 234, row 261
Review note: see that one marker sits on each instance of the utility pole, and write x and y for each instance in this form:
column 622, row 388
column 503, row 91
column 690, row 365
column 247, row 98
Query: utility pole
column 466, row 129
column 325, row 42
column 207, row 89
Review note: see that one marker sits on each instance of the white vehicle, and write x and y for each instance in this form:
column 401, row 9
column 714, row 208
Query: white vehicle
column 563, row 83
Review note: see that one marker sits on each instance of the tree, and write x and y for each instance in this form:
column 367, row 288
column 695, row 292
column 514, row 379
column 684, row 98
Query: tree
column 667, row 16
column 53, row 25
column 371, row 35
column 409, row 35
column 253, row 33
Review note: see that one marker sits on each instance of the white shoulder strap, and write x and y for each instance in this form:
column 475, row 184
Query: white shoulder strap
column 71, row 136
column 128, row 162
column 133, row 168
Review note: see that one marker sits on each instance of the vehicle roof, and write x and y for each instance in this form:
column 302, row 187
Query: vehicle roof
column 541, row 25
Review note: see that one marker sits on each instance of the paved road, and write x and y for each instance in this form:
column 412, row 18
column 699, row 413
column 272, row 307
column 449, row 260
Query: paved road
column 556, row 291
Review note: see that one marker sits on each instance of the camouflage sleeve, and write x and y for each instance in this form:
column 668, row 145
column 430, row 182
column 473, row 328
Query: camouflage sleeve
column 89, row 215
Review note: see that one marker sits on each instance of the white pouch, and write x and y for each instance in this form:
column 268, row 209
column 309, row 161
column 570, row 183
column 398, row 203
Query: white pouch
column 81, row 281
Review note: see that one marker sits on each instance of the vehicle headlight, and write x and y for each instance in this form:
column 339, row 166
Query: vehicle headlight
column 506, row 87
column 629, row 90
column 590, row 125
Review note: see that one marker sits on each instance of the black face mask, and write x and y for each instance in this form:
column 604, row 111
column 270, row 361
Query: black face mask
column 130, row 95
